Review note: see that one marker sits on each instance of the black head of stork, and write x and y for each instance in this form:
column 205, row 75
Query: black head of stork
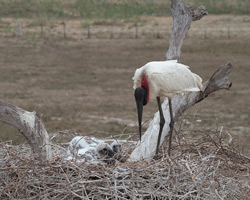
column 141, row 99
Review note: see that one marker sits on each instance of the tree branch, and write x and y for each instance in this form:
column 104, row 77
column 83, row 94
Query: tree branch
column 199, row 13
column 30, row 125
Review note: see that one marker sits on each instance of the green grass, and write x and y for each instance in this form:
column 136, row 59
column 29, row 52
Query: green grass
column 110, row 9
column 29, row 9
column 5, row 26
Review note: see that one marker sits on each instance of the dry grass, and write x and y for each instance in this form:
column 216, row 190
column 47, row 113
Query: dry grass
column 204, row 167
column 217, row 27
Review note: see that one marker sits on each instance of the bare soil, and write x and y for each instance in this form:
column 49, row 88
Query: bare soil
column 85, row 86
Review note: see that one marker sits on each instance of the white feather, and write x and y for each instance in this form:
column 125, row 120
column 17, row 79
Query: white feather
column 166, row 78
column 84, row 148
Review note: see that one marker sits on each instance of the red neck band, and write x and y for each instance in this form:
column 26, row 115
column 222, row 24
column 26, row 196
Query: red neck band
column 144, row 83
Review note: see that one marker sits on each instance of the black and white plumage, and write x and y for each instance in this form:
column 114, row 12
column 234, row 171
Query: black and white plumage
column 116, row 146
column 105, row 152
column 83, row 148
column 86, row 148
column 162, row 79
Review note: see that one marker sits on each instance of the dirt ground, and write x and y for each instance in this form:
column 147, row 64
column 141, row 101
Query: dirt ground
column 85, row 86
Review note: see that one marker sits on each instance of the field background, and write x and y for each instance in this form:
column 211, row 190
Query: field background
column 84, row 85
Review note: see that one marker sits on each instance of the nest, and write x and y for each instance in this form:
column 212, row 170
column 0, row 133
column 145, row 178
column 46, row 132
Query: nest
column 207, row 166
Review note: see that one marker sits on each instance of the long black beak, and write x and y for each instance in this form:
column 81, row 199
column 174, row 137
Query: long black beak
column 139, row 105
column 141, row 100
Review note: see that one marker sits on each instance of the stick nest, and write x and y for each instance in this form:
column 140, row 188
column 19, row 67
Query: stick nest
column 207, row 166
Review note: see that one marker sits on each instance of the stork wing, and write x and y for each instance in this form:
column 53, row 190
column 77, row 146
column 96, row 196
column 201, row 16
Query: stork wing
column 175, row 80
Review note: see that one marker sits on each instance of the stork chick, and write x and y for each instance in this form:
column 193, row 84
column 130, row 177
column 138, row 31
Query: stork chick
column 105, row 152
column 116, row 146
column 162, row 79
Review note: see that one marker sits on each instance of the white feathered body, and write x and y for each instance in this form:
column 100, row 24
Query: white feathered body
column 86, row 148
column 166, row 78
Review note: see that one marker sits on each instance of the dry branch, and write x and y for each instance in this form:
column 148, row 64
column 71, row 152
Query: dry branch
column 30, row 125
column 182, row 17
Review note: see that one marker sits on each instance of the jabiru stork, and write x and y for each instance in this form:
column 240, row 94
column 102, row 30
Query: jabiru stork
column 162, row 79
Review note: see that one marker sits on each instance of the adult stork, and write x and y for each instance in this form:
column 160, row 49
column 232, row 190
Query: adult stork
column 162, row 79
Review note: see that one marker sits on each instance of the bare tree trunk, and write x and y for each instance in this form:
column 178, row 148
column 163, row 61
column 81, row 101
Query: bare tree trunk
column 182, row 16
column 30, row 125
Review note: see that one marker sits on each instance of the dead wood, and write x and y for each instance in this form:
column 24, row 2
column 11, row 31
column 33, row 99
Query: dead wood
column 182, row 17
column 30, row 125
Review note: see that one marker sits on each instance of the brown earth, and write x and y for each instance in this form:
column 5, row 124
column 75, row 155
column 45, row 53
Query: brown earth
column 84, row 85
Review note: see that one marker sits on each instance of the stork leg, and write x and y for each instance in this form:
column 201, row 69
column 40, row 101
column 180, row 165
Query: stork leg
column 171, row 125
column 162, row 122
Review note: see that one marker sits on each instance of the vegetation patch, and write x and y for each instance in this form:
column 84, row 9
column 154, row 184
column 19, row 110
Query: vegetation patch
column 111, row 9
